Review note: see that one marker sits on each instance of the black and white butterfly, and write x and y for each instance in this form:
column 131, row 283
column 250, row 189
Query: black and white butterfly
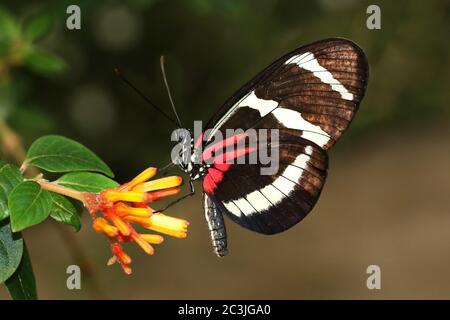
column 310, row 95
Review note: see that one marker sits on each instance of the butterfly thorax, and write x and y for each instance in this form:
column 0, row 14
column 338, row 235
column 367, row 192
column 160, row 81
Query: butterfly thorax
column 197, row 171
column 189, row 158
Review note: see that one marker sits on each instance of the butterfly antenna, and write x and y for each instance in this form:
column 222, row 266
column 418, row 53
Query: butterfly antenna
column 163, row 71
column 120, row 75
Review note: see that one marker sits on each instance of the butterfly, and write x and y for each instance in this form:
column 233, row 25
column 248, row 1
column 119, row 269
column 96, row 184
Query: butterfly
column 309, row 96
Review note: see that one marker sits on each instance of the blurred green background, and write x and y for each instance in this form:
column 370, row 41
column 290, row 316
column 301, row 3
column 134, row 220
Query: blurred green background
column 386, row 201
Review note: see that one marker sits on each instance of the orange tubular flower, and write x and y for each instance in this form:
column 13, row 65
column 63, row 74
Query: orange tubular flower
column 126, row 205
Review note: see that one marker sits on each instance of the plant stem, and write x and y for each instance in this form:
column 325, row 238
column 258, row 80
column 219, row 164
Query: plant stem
column 56, row 188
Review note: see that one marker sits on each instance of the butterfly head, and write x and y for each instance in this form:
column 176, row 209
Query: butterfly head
column 186, row 157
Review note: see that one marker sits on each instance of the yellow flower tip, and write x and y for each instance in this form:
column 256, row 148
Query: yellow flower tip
column 100, row 225
column 159, row 184
column 144, row 176
column 124, row 210
column 112, row 195
column 157, row 195
column 152, row 238
column 168, row 225
column 123, row 227
column 181, row 235
column 143, row 244
column 161, row 223
column 159, row 219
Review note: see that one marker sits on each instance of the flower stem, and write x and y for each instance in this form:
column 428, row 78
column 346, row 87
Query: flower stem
column 55, row 187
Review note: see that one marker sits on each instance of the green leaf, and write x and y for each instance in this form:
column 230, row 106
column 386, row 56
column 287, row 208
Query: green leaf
column 86, row 181
column 65, row 212
column 44, row 62
column 29, row 204
column 10, row 177
column 22, row 284
column 37, row 26
column 9, row 26
column 60, row 154
column 11, row 248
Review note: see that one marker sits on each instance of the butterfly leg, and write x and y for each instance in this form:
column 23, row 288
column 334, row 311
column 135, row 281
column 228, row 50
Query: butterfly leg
column 191, row 193
column 216, row 226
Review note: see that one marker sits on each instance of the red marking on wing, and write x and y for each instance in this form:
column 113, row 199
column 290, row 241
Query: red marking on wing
column 210, row 181
column 208, row 184
column 214, row 176
column 230, row 156
column 208, row 153
column 222, row 162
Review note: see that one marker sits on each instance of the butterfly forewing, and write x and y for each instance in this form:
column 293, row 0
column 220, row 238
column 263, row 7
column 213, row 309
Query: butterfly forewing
column 323, row 83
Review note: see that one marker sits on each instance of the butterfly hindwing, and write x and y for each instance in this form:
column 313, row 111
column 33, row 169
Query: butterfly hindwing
column 271, row 203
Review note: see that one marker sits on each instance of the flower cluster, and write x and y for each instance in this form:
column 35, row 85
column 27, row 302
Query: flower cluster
column 127, row 205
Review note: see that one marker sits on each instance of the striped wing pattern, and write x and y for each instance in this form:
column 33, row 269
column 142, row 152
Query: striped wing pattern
column 310, row 95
